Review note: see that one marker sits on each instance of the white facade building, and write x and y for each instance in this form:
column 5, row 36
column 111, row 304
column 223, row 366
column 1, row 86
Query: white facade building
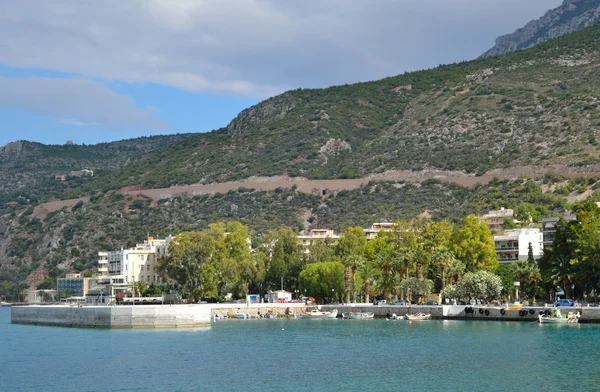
column 137, row 264
column 495, row 219
column 514, row 245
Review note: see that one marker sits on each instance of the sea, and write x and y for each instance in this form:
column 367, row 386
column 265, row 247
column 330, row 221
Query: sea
column 303, row 355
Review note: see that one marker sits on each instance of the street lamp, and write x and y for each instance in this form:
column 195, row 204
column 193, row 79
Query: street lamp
column 332, row 295
column 573, row 290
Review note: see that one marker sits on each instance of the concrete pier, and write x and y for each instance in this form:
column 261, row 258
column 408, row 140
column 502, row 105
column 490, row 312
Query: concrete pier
column 146, row 316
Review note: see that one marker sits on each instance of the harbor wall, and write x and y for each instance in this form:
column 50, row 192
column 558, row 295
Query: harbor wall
column 146, row 316
column 460, row 312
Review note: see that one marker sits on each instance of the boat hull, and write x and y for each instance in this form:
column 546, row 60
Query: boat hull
column 320, row 315
column 418, row 316
column 358, row 315
column 557, row 320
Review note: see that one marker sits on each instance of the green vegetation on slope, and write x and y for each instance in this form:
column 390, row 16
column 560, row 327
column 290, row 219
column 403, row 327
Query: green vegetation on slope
column 538, row 106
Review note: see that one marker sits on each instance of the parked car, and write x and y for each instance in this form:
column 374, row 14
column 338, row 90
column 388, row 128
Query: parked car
column 401, row 302
column 434, row 303
column 564, row 302
column 380, row 302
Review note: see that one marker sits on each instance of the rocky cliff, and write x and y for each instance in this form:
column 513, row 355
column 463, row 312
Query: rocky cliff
column 572, row 15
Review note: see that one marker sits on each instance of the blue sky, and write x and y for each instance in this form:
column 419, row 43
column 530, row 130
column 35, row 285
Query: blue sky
column 102, row 71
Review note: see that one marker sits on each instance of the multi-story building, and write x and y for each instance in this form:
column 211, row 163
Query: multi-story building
column 377, row 227
column 137, row 264
column 317, row 235
column 549, row 229
column 75, row 284
column 495, row 219
column 514, row 245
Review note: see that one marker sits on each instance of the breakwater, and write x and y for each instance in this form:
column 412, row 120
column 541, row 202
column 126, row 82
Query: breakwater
column 147, row 316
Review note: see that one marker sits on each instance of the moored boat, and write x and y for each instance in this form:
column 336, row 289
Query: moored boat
column 556, row 317
column 358, row 315
column 317, row 314
column 418, row 316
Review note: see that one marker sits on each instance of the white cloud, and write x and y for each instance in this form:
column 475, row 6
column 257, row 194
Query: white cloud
column 78, row 123
column 252, row 48
column 76, row 101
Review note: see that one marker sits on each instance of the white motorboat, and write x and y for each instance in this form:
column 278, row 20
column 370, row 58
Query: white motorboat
column 556, row 317
column 317, row 314
column 418, row 316
column 358, row 315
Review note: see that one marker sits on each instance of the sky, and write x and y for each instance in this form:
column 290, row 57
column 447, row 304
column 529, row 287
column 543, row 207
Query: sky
column 99, row 71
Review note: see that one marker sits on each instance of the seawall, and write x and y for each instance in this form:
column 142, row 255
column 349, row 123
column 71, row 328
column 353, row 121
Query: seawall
column 146, row 316
column 462, row 312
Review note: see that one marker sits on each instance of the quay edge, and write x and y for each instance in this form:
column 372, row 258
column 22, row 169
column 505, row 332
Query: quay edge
column 146, row 316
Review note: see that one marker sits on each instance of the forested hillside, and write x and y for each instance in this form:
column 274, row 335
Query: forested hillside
column 535, row 107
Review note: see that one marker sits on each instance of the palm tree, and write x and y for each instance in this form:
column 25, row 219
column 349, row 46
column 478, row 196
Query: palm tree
column 384, row 261
column 367, row 273
column 455, row 271
column 347, row 261
column 356, row 262
column 420, row 257
column 561, row 271
column 445, row 259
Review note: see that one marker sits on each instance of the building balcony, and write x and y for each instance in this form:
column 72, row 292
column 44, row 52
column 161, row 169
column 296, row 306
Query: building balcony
column 103, row 269
column 507, row 249
column 102, row 261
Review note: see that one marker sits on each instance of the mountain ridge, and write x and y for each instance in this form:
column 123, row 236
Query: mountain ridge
column 570, row 16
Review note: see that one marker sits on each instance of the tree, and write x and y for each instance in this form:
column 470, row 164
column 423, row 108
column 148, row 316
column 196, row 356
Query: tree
column 351, row 243
column 286, row 259
column 417, row 288
column 323, row 281
column 473, row 245
column 367, row 273
column 320, row 251
column 233, row 258
column 480, row 285
column 190, row 265
column 355, row 262
column 444, row 258
column 526, row 213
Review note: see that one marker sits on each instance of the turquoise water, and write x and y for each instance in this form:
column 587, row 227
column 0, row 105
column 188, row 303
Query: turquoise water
column 301, row 355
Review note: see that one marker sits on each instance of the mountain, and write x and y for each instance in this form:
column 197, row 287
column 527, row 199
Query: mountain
column 532, row 108
column 529, row 111
column 570, row 16
column 28, row 169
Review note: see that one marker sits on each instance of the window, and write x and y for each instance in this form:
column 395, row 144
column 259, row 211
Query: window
column 148, row 267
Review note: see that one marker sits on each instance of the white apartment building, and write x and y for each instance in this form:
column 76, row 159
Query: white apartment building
column 137, row 264
column 514, row 245
column 377, row 227
column 317, row 235
column 495, row 219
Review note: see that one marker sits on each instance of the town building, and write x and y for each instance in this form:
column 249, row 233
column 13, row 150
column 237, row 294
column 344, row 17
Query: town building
column 495, row 219
column 549, row 228
column 317, row 235
column 377, row 227
column 137, row 264
column 513, row 245
column 41, row 296
column 75, row 284
column 279, row 296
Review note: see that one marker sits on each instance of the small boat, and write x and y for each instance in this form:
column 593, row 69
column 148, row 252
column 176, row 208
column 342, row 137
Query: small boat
column 418, row 316
column 556, row 317
column 241, row 316
column 358, row 315
column 317, row 314
column 394, row 316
